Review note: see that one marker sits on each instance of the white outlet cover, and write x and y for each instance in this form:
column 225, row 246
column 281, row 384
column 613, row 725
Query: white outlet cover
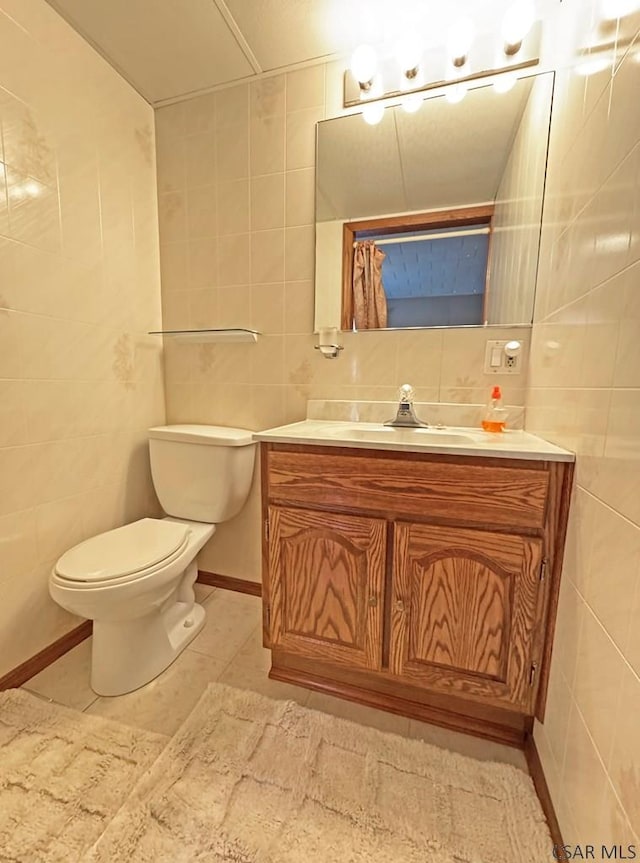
column 507, row 366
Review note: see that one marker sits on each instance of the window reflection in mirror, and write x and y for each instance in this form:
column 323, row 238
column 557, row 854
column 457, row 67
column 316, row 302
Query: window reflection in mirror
column 451, row 197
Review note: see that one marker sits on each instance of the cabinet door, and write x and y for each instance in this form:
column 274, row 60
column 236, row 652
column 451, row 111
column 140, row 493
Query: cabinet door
column 464, row 612
column 326, row 576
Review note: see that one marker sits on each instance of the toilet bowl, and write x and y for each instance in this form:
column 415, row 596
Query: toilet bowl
column 136, row 582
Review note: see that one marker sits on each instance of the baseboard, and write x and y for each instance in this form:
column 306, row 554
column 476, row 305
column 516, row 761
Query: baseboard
column 227, row 582
column 542, row 789
column 46, row 657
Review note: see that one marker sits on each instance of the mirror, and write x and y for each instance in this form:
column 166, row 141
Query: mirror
column 452, row 195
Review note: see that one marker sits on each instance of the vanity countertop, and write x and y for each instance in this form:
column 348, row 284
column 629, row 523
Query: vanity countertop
column 449, row 440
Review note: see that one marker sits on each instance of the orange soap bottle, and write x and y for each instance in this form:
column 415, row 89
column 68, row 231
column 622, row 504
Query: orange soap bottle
column 495, row 416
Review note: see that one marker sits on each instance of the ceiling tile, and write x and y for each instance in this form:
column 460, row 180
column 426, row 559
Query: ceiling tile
column 165, row 49
column 284, row 32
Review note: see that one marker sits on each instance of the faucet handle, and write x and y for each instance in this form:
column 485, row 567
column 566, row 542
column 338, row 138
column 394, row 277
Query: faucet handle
column 406, row 394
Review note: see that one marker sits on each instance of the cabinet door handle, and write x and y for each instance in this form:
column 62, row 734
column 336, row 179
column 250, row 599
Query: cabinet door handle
column 373, row 601
column 399, row 605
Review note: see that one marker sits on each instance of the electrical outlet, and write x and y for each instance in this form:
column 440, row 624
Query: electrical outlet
column 499, row 362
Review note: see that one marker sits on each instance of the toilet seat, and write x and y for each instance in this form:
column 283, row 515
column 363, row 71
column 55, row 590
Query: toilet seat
column 122, row 555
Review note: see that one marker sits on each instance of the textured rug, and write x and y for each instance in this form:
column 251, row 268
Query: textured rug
column 63, row 776
column 252, row 780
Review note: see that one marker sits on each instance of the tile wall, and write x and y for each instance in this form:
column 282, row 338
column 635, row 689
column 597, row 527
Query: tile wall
column 585, row 394
column 80, row 381
column 236, row 198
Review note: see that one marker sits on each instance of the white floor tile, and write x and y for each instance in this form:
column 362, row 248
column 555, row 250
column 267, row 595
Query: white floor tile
column 66, row 681
column 165, row 703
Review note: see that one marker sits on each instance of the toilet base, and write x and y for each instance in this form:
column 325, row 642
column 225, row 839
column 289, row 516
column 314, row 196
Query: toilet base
column 129, row 654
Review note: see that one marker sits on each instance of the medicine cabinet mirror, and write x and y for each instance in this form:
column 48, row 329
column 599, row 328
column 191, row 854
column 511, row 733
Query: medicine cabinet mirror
column 451, row 197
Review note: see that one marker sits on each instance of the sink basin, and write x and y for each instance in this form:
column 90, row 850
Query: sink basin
column 365, row 432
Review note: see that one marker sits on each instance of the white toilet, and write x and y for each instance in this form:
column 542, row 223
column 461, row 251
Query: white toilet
column 136, row 582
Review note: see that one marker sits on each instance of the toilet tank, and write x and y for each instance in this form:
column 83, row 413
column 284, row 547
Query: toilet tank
column 201, row 472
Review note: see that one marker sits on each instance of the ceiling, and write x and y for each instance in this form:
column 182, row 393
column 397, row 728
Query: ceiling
column 171, row 49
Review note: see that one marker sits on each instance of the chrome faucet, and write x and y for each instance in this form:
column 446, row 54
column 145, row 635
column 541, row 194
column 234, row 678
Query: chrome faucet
column 406, row 417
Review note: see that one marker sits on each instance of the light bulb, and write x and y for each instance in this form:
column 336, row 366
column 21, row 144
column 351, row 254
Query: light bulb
column 412, row 103
column 459, row 40
column 409, row 55
column 517, row 22
column 455, row 94
column 373, row 113
column 505, row 82
column 364, row 63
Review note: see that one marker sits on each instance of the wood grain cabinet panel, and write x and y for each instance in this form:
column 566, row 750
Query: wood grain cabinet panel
column 465, row 605
column 326, row 587
column 420, row 583
column 483, row 494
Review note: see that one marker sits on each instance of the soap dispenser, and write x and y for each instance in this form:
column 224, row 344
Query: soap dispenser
column 495, row 416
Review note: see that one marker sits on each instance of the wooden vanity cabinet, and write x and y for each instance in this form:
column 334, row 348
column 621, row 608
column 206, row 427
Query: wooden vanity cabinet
column 422, row 584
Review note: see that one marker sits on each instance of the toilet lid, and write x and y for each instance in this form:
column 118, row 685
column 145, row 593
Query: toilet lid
column 122, row 551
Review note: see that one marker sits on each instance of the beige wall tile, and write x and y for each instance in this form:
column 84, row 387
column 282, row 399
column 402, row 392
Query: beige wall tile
column 234, row 308
column 200, row 114
column 268, row 308
column 232, row 151
column 305, row 88
column 301, row 138
column 299, row 307
column 172, row 213
column 174, row 264
column 232, row 106
column 300, row 197
column 267, row 257
column 267, row 202
column 79, row 263
column 627, row 362
column 202, row 212
column 267, row 144
column 584, row 779
column 583, row 373
column 625, row 757
column 597, row 683
column 200, row 158
column 299, row 253
column 203, row 262
column 267, row 97
column 34, row 211
column 612, row 571
column 234, row 259
column 233, row 206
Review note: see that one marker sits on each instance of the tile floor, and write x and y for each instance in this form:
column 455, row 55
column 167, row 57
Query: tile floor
column 229, row 649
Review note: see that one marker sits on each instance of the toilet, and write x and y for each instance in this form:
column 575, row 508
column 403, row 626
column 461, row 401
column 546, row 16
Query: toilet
column 136, row 582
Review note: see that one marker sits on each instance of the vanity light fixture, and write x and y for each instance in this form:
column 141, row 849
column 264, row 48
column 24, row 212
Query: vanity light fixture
column 409, row 55
column 364, row 65
column 460, row 39
column 405, row 75
column 373, row 113
column 412, row 102
column 455, row 93
column 517, row 22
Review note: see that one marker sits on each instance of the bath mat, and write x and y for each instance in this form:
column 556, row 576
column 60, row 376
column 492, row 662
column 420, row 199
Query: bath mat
column 252, row 780
column 63, row 776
